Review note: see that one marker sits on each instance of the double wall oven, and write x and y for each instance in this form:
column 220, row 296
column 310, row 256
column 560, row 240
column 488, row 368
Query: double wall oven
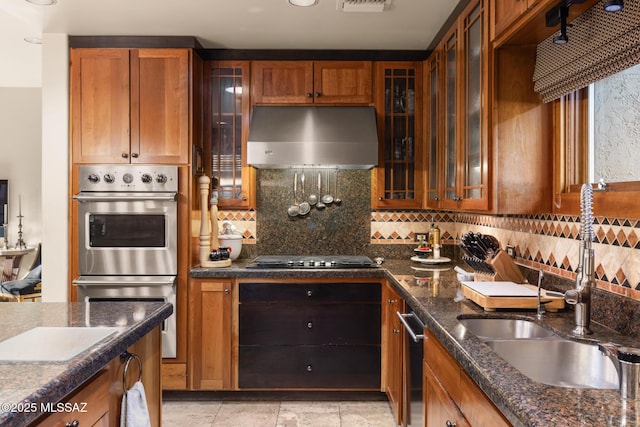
column 127, row 237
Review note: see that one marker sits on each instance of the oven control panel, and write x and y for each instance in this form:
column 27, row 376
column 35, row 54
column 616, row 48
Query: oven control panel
column 128, row 178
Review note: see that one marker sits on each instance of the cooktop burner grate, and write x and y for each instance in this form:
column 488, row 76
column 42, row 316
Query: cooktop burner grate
column 312, row 261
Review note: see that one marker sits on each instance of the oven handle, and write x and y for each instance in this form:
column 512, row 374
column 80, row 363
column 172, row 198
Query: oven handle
column 414, row 336
column 159, row 282
column 125, row 197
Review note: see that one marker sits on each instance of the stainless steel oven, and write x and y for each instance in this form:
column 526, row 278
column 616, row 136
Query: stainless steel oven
column 127, row 220
column 127, row 237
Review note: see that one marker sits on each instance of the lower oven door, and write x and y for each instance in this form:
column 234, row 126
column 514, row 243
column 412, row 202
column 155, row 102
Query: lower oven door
column 133, row 288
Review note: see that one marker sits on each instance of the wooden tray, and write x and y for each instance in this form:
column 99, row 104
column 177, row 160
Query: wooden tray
column 493, row 303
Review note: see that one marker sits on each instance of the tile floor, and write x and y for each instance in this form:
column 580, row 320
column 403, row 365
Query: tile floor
column 223, row 413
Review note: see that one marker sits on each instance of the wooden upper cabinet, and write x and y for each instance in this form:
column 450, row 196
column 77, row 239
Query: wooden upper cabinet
column 505, row 12
column 130, row 105
column 311, row 82
column 160, row 106
column 99, row 84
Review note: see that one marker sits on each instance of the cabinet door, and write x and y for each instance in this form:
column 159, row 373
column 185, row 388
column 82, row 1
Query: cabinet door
column 398, row 181
column 433, row 105
column 346, row 82
column 465, row 138
column 99, row 80
column 226, row 132
column 505, row 12
column 282, row 82
column 94, row 397
column 392, row 350
column 160, row 113
column 210, row 305
column 439, row 409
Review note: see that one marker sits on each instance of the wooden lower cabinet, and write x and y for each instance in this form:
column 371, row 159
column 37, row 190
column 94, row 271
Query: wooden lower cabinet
column 393, row 339
column 450, row 396
column 210, row 347
column 98, row 401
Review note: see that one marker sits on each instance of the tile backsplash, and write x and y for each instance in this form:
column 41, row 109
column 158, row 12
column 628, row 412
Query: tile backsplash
column 550, row 242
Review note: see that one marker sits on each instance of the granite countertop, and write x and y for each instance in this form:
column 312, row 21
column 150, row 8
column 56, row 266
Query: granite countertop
column 28, row 385
column 433, row 292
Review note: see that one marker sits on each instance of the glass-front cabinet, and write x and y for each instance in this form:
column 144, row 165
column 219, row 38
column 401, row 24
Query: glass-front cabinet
column 458, row 81
column 398, row 180
column 226, row 130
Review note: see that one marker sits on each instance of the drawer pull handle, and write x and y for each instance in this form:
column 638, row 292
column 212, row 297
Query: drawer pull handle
column 309, row 293
column 309, row 368
column 309, row 325
column 403, row 319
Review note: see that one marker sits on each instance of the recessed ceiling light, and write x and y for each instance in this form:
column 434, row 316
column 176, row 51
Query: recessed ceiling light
column 33, row 39
column 42, row 2
column 303, row 3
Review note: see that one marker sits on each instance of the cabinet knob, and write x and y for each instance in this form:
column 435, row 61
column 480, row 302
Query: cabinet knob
column 227, row 291
column 309, row 95
column 134, row 155
column 124, row 155
column 309, row 325
column 74, row 423
column 380, row 198
column 309, row 368
column 436, row 198
column 318, row 94
column 450, row 423
column 457, row 198
column 396, row 331
column 309, row 293
column 391, row 301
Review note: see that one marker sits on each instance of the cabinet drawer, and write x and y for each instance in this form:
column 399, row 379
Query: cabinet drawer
column 289, row 324
column 356, row 367
column 310, row 292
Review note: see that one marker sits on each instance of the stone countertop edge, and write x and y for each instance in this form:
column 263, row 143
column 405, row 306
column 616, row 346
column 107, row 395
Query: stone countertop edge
column 522, row 401
column 67, row 376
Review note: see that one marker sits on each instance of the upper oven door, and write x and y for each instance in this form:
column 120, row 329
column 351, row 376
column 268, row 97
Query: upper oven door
column 127, row 234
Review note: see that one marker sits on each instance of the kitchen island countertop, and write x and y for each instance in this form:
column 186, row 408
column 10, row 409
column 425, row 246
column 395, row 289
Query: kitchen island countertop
column 434, row 293
column 28, row 386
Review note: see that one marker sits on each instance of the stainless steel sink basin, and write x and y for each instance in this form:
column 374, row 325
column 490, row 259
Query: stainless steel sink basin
column 543, row 355
column 561, row 363
column 488, row 328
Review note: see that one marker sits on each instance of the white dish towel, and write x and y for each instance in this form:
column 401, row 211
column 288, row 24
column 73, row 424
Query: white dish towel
column 135, row 412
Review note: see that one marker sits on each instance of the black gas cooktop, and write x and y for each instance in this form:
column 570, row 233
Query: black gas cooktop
column 312, row 261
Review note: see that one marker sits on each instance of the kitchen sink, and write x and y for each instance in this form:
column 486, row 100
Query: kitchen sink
column 559, row 362
column 491, row 328
column 543, row 355
column 52, row 344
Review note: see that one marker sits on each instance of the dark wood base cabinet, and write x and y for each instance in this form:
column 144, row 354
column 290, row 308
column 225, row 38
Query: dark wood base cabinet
column 309, row 335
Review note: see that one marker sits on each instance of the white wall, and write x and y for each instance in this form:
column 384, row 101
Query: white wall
column 55, row 167
column 20, row 159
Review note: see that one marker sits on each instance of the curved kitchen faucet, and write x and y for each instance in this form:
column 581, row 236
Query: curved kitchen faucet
column 581, row 295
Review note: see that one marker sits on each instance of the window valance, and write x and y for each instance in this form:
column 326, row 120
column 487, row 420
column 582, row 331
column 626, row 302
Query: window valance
column 600, row 44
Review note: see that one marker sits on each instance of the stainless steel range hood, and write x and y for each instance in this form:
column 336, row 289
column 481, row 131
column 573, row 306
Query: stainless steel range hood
column 285, row 136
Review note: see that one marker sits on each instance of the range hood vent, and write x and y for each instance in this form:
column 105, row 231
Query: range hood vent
column 284, row 136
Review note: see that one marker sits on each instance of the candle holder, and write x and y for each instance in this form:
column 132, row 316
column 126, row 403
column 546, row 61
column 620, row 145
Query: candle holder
column 20, row 244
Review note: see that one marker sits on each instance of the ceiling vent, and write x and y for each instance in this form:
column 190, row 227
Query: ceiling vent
column 362, row 5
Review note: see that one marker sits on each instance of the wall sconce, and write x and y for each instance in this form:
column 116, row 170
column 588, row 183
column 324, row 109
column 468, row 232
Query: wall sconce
column 613, row 5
